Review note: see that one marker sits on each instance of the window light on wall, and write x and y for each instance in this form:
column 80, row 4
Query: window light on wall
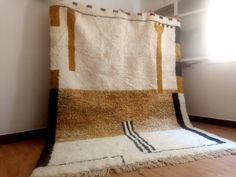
column 221, row 30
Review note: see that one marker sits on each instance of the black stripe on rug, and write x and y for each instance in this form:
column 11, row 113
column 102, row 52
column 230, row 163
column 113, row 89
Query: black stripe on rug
column 140, row 143
column 91, row 160
column 146, row 143
column 180, row 120
column 51, row 129
column 137, row 137
column 137, row 143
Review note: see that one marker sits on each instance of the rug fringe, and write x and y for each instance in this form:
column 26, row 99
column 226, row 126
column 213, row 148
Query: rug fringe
column 152, row 164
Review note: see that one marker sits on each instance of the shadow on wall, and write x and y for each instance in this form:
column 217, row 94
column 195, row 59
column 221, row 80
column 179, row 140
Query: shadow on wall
column 31, row 97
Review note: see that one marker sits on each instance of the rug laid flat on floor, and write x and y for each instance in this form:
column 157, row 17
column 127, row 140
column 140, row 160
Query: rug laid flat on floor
column 116, row 98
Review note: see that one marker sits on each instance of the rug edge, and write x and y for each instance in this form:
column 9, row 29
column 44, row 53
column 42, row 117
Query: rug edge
column 149, row 164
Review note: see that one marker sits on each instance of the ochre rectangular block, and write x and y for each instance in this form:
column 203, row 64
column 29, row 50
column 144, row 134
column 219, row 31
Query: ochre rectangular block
column 54, row 80
column 81, row 117
column 178, row 52
column 179, row 80
column 54, row 16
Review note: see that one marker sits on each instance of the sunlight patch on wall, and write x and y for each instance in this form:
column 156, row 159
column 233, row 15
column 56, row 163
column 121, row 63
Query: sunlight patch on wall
column 221, row 30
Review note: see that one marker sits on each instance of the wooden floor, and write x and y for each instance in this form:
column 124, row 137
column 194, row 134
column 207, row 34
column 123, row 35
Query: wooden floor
column 18, row 160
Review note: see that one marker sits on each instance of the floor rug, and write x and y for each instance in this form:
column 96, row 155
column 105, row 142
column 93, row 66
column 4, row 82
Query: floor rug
column 116, row 98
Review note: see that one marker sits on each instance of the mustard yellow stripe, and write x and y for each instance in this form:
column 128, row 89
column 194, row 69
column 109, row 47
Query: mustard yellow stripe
column 159, row 30
column 71, row 38
column 178, row 52
column 179, row 80
column 54, row 16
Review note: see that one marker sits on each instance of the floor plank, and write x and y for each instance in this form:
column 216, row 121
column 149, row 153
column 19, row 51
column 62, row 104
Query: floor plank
column 19, row 159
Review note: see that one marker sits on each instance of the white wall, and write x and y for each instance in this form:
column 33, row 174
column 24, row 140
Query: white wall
column 210, row 90
column 24, row 65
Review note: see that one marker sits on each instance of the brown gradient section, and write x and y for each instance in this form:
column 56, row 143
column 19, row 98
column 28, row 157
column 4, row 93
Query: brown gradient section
column 54, row 74
column 71, row 38
column 178, row 52
column 54, row 16
column 179, row 80
column 159, row 30
column 94, row 114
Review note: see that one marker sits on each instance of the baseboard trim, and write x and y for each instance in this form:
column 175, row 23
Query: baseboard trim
column 209, row 120
column 21, row 136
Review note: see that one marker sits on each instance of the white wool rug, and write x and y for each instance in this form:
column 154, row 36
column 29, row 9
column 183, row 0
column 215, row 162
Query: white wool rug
column 116, row 98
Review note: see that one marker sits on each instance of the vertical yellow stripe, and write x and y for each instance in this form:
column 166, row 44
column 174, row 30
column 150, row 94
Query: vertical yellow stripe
column 179, row 79
column 178, row 52
column 159, row 30
column 71, row 38
column 54, row 16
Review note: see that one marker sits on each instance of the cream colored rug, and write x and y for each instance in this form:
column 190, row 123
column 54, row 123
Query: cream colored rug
column 116, row 98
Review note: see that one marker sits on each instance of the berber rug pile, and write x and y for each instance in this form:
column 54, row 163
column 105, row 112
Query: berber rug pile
column 116, row 98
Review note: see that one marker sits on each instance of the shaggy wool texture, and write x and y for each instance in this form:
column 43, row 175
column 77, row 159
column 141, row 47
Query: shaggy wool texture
column 116, row 98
